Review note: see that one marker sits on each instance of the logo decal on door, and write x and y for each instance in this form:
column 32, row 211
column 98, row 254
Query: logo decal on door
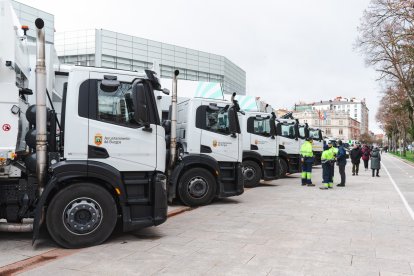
column 215, row 143
column 98, row 139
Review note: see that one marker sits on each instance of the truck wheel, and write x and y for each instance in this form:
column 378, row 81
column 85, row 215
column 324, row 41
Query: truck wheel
column 81, row 215
column 252, row 173
column 197, row 187
column 283, row 168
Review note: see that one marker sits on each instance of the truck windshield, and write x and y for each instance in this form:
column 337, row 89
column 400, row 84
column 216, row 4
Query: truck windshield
column 117, row 107
column 314, row 134
column 302, row 133
column 218, row 120
column 262, row 127
column 288, row 131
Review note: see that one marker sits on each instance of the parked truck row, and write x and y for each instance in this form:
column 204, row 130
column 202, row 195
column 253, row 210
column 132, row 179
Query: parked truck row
column 85, row 148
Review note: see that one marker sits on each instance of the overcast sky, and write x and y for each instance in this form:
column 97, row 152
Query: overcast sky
column 291, row 50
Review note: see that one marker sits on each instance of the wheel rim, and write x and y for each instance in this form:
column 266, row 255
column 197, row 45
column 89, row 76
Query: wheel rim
column 249, row 173
column 82, row 216
column 198, row 187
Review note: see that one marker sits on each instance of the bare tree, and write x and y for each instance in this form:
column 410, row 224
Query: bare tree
column 387, row 40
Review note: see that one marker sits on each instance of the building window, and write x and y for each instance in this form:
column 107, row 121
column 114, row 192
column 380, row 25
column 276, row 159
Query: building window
column 341, row 131
column 328, row 131
column 341, row 122
column 316, row 122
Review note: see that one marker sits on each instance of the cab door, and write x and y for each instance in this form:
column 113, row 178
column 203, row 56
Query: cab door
column 261, row 136
column 115, row 137
column 215, row 133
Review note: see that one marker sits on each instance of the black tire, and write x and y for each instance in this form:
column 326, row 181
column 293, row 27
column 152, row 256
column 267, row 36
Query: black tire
column 77, row 209
column 283, row 168
column 252, row 173
column 197, row 187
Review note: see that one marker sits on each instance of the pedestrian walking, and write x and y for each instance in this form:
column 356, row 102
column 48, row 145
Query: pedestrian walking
column 327, row 159
column 366, row 154
column 356, row 154
column 341, row 161
column 375, row 162
column 306, row 152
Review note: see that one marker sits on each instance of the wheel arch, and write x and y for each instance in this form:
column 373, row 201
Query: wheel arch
column 188, row 162
column 67, row 173
column 249, row 155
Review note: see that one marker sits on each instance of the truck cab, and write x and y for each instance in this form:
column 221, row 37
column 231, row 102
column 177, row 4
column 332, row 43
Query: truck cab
column 105, row 161
column 260, row 148
column 317, row 145
column 209, row 147
column 287, row 131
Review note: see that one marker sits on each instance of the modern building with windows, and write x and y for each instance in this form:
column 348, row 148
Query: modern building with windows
column 356, row 109
column 103, row 48
column 27, row 16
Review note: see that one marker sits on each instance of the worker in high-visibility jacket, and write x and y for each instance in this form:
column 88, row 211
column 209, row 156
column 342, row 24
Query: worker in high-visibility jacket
column 327, row 159
column 306, row 153
column 335, row 153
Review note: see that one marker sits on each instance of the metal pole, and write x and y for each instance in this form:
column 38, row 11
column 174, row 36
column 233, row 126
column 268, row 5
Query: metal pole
column 173, row 141
column 41, row 116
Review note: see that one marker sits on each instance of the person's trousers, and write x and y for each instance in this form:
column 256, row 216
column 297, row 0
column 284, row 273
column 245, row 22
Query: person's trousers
column 342, row 173
column 333, row 170
column 355, row 168
column 373, row 172
column 366, row 164
column 307, row 172
column 327, row 174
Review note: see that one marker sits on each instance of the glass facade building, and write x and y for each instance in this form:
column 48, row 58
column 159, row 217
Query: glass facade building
column 27, row 16
column 103, row 48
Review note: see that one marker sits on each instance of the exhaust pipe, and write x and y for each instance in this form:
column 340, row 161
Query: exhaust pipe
column 41, row 116
column 232, row 97
column 173, row 140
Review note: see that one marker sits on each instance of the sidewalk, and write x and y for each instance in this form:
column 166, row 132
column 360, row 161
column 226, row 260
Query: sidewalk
column 279, row 228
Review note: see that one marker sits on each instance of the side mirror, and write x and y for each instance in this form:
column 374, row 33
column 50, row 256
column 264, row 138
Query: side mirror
column 167, row 126
column 232, row 122
column 272, row 123
column 296, row 134
column 140, row 103
column 279, row 129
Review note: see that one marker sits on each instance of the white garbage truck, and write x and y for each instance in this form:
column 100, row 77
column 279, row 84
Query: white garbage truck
column 209, row 149
column 101, row 162
column 287, row 131
column 260, row 147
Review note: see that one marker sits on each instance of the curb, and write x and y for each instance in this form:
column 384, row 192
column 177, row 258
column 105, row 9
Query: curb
column 36, row 261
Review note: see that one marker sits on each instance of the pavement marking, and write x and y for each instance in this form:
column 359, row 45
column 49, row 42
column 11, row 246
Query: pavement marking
column 407, row 206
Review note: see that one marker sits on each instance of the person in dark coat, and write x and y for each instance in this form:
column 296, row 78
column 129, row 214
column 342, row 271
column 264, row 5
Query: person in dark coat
column 356, row 154
column 341, row 161
column 375, row 161
column 366, row 154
